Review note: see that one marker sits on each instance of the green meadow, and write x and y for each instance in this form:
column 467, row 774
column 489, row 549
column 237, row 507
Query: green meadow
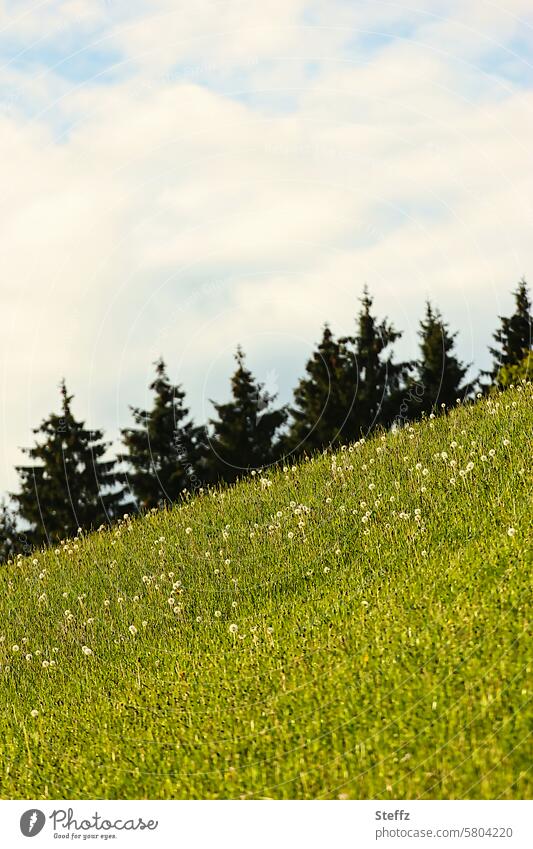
column 354, row 626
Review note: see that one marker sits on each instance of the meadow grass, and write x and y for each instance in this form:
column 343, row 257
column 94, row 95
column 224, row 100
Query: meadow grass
column 351, row 627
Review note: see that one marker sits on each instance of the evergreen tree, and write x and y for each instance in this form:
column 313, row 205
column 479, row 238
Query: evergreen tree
column 513, row 337
column 163, row 448
column 69, row 485
column 244, row 432
column 10, row 544
column 514, row 374
column 439, row 374
column 373, row 382
column 319, row 411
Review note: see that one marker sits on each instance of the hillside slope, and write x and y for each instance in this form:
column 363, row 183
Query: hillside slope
column 355, row 626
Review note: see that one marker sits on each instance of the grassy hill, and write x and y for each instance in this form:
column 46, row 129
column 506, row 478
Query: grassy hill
column 354, row 626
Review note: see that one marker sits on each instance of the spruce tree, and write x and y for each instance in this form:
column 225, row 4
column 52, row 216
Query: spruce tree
column 320, row 405
column 68, row 485
column 244, row 434
column 513, row 337
column 439, row 374
column 513, row 374
column 162, row 450
column 373, row 381
column 10, row 543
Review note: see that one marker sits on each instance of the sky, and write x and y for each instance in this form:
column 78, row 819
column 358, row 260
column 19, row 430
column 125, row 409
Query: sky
column 178, row 178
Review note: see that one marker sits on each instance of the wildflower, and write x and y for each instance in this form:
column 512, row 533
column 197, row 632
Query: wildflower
column 45, row 664
column 511, row 532
column 28, row 657
column 290, row 535
column 133, row 630
column 506, row 442
column 218, row 614
column 188, row 530
column 233, row 628
column 86, row 650
column 34, row 713
column 16, row 648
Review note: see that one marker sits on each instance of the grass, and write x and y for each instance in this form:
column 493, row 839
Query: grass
column 352, row 627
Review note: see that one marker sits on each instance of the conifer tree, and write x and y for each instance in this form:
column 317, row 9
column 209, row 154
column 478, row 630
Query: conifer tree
column 513, row 374
column 244, row 433
column 68, row 485
column 373, row 381
column 320, row 405
column 9, row 538
column 439, row 374
column 162, row 450
column 513, row 338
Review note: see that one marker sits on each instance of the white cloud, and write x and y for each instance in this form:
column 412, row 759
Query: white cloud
column 249, row 197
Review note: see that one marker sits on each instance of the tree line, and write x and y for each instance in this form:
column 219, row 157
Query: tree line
column 351, row 385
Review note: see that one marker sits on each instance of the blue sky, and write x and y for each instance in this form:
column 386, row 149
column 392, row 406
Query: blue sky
column 178, row 178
